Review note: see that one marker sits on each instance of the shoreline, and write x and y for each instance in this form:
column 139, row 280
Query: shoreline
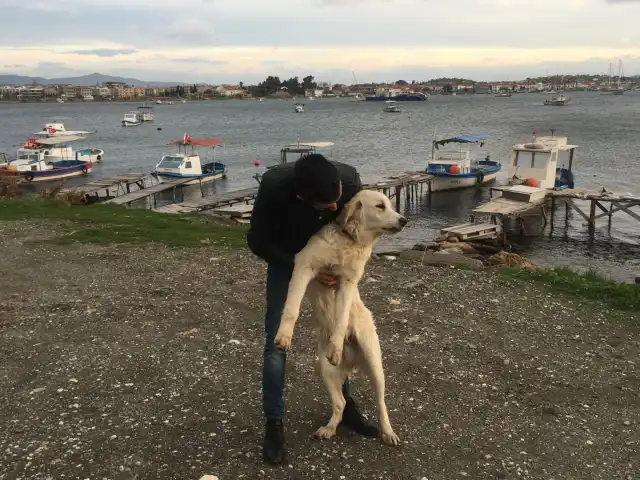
column 131, row 351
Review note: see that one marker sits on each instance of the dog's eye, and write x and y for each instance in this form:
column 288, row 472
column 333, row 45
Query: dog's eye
column 381, row 206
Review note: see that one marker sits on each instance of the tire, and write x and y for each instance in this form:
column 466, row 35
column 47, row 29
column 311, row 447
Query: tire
column 28, row 176
column 479, row 178
column 84, row 170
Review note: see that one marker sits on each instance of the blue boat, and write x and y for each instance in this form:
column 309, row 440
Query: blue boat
column 187, row 164
column 454, row 169
column 37, row 169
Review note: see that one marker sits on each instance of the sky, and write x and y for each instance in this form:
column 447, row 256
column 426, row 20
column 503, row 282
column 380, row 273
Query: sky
column 228, row 41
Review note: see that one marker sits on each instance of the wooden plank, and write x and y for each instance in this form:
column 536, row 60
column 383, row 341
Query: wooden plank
column 214, row 200
column 503, row 206
column 239, row 210
column 147, row 192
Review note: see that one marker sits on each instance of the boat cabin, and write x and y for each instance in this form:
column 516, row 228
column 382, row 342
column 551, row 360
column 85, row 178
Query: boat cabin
column 46, row 149
column 301, row 149
column 539, row 160
column 186, row 162
column 458, row 160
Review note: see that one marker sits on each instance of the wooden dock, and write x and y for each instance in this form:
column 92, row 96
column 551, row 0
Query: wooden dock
column 411, row 184
column 109, row 186
column 149, row 191
column 602, row 203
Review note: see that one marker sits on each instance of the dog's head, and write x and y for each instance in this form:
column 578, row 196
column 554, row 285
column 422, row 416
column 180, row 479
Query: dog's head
column 368, row 215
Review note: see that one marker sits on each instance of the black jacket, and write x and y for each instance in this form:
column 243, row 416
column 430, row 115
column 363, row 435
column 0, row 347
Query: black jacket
column 281, row 223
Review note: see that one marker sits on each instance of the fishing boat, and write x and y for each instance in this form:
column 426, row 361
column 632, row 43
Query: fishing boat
column 557, row 101
column 146, row 112
column 454, row 169
column 391, row 107
column 187, row 164
column 298, row 108
column 57, row 129
column 533, row 173
column 54, row 149
column 132, row 119
column 34, row 163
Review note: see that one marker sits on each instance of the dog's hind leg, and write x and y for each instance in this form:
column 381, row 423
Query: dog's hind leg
column 371, row 363
column 333, row 378
column 302, row 275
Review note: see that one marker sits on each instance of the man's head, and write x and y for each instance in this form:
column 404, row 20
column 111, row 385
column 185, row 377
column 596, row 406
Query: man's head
column 317, row 182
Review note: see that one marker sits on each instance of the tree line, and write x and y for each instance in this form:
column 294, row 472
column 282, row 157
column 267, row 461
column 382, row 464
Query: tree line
column 271, row 85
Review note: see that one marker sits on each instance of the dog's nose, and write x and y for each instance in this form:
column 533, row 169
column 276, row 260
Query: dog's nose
column 402, row 221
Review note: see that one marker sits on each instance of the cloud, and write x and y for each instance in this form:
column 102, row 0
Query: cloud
column 106, row 52
column 227, row 40
column 192, row 29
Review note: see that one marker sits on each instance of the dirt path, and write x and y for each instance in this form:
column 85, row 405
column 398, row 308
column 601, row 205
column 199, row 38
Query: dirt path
column 143, row 363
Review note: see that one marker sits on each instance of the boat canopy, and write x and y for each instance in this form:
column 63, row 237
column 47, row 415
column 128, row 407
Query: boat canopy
column 198, row 142
column 481, row 139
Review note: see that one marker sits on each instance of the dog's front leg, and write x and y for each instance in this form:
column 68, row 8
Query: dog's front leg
column 302, row 275
column 344, row 299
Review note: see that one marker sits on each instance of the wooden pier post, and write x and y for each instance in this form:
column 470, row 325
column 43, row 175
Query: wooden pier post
column 398, row 191
column 592, row 219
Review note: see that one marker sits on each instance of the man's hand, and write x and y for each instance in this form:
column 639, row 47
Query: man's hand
column 327, row 277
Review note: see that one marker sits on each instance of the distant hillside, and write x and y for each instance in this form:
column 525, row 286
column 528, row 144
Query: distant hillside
column 92, row 79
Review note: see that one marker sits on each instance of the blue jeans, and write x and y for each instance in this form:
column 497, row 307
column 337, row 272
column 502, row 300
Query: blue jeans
column 273, row 371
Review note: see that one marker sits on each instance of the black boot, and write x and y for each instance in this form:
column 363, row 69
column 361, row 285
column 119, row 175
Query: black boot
column 273, row 450
column 353, row 420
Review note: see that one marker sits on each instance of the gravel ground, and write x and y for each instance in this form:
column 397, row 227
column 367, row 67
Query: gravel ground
column 143, row 363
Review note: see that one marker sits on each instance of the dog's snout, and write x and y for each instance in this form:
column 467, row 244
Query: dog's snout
column 402, row 221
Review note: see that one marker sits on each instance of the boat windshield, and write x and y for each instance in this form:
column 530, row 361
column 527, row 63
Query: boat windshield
column 170, row 162
column 30, row 156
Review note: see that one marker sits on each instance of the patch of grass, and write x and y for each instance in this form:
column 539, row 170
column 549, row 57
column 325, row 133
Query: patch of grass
column 590, row 284
column 107, row 224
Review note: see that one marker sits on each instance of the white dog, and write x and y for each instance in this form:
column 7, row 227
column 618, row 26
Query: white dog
column 347, row 336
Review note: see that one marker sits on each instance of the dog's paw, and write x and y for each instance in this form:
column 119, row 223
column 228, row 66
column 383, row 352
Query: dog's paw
column 390, row 438
column 334, row 354
column 325, row 432
column 283, row 341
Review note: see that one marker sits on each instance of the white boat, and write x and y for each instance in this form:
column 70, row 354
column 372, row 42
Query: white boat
column 454, row 169
column 132, row 119
column 158, row 102
column 557, row 101
column 56, row 149
column 58, row 129
column 187, row 164
column 168, row 103
column 146, row 112
column 59, row 100
column 87, row 98
column 533, row 173
column 298, row 108
column 503, row 94
column 184, row 101
column 48, row 159
column 357, row 98
column 391, row 107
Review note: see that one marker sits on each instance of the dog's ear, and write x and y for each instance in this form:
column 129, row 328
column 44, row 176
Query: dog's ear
column 350, row 218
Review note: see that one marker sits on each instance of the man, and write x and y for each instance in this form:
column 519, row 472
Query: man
column 294, row 201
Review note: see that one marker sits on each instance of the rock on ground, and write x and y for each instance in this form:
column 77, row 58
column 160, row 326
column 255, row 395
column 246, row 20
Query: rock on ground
column 144, row 362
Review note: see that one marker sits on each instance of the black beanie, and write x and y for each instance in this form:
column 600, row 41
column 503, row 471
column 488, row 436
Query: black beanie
column 316, row 179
